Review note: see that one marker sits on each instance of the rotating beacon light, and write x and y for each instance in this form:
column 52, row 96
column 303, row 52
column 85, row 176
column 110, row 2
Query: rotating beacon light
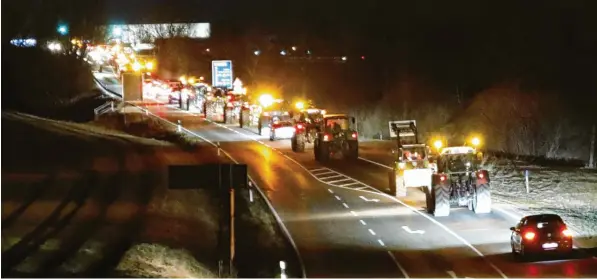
column 476, row 141
column 266, row 100
column 438, row 144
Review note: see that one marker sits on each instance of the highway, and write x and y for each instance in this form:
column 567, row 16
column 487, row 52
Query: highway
column 345, row 226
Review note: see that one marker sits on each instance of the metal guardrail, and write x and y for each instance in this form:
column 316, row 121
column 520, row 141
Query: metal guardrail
column 181, row 129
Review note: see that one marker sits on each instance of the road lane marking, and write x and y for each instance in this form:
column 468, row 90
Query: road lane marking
column 331, row 191
column 371, row 232
column 338, row 197
column 333, row 176
column 339, row 180
column 368, row 200
column 407, row 229
column 354, row 213
column 375, row 163
column 345, row 205
column 381, row 242
column 375, row 191
column 398, row 265
column 451, row 273
column 319, row 169
column 444, row 227
column 347, row 184
column 276, row 215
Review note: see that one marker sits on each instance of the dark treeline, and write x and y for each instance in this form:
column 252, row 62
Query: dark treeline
column 514, row 70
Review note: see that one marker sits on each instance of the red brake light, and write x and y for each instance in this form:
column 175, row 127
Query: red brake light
column 229, row 97
column 354, row 135
column 442, row 178
column 529, row 235
column 566, row 233
column 326, row 137
column 299, row 126
column 481, row 175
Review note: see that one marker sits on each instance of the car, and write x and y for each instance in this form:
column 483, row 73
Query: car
column 540, row 234
column 281, row 127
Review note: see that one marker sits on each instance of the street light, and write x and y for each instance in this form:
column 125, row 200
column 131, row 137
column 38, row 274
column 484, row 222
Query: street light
column 257, row 52
column 117, row 31
column 300, row 105
column 283, row 52
column 62, row 29
column 293, row 48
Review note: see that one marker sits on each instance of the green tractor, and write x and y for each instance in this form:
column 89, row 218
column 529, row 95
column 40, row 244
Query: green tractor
column 336, row 135
column 459, row 181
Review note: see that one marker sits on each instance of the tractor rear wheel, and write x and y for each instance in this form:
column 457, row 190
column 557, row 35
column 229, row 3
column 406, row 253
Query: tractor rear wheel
column 441, row 200
column 482, row 199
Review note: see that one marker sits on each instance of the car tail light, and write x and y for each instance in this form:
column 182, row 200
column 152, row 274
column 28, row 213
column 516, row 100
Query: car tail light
column 481, row 175
column 326, row 137
column 442, row 178
column 299, row 126
column 566, row 233
column 529, row 235
column 229, row 98
column 354, row 135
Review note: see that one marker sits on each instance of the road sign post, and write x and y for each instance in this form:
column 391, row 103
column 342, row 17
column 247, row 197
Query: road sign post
column 222, row 180
column 222, row 75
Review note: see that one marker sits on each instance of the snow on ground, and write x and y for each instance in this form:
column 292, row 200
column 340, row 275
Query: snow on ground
column 126, row 199
column 571, row 193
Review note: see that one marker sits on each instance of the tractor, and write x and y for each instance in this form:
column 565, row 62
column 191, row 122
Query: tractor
column 414, row 162
column 336, row 135
column 305, row 126
column 459, row 181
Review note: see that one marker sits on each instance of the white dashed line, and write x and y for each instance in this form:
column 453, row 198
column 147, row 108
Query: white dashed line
column 338, row 197
column 345, row 205
column 354, row 213
column 371, row 232
column 381, row 242
column 363, row 222
column 331, row 191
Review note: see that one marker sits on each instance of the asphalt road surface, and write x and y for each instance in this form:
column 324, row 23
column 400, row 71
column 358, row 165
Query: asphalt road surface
column 344, row 226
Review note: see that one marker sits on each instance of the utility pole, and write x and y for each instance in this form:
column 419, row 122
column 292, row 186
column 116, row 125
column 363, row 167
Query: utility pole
column 592, row 149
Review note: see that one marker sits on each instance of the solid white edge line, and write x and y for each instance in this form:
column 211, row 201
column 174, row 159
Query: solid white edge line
column 378, row 192
column 275, row 213
column 316, row 178
column 398, row 264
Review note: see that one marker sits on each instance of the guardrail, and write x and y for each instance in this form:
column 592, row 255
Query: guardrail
column 181, row 129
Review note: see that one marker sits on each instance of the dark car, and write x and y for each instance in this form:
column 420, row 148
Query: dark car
column 540, row 234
